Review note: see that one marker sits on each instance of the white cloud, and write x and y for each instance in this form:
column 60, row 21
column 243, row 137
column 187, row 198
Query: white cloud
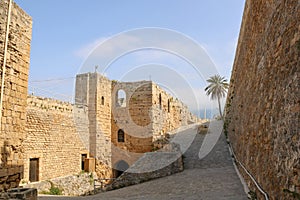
column 84, row 51
column 152, row 55
column 166, row 40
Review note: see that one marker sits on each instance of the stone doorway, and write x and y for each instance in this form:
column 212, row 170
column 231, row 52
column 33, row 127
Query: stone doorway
column 34, row 170
column 120, row 167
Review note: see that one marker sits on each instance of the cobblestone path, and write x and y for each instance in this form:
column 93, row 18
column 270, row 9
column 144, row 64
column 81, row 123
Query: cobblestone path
column 210, row 178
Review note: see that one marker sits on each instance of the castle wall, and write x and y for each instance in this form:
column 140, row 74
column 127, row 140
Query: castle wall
column 132, row 115
column 56, row 136
column 134, row 118
column 146, row 115
column 263, row 108
column 15, row 93
column 168, row 113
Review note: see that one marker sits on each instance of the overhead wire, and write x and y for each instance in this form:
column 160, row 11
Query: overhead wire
column 51, row 88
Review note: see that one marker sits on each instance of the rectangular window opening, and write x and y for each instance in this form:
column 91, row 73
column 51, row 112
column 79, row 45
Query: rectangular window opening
column 83, row 157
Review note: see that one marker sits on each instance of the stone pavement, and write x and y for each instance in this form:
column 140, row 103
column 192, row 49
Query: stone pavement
column 211, row 178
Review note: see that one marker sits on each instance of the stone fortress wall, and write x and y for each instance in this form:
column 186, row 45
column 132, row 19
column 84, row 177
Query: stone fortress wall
column 168, row 113
column 263, row 108
column 13, row 119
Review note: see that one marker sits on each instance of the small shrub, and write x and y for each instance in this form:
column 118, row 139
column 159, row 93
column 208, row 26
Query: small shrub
column 91, row 179
column 155, row 148
column 55, row 191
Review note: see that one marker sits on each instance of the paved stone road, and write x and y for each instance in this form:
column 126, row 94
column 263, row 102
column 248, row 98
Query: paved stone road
column 211, row 178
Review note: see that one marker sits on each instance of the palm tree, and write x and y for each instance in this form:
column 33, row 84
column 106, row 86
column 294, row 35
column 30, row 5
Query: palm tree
column 217, row 89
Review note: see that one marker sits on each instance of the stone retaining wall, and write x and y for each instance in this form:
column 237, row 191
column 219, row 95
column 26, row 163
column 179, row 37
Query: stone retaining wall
column 150, row 166
column 73, row 185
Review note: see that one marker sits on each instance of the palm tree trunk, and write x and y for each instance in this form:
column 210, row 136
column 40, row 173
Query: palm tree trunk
column 220, row 110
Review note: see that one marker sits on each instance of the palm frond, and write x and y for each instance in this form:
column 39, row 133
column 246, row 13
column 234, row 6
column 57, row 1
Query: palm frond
column 217, row 87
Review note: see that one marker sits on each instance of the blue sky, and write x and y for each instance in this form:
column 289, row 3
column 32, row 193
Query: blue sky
column 65, row 32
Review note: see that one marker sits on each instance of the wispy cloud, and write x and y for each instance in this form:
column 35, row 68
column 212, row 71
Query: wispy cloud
column 101, row 45
column 85, row 50
column 182, row 61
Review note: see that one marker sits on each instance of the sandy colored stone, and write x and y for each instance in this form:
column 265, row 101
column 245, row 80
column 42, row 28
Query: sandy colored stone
column 262, row 117
column 16, row 77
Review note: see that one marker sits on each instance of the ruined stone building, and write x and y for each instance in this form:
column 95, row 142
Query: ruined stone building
column 107, row 129
column 59, row 135
column 126, row 117
column 112, row 131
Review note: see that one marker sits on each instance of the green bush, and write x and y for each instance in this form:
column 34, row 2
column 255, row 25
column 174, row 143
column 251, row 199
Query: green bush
column 55, row 190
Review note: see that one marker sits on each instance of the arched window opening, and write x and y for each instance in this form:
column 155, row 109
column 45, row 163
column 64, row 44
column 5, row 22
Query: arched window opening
column 168, row 105
column 159, row 99
column 102, row 100
column 121, row 136
column 121, row 98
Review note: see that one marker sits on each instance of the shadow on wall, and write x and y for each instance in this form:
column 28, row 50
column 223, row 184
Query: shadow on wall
column 5, row 153
column 11, row 172
column 120, row 167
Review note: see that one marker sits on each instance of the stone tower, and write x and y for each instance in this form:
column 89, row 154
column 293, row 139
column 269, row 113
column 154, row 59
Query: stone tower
column 94, row 91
